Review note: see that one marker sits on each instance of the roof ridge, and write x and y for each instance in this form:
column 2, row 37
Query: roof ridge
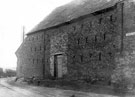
column 69, row 11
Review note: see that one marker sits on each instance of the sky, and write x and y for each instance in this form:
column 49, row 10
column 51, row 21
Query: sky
column 14, row 14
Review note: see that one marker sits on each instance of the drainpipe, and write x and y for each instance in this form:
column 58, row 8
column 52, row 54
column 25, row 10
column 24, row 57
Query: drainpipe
column 122, row 26
column 44, row 56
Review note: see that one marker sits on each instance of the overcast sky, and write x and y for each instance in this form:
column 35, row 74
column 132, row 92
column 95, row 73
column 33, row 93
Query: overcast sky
column 17, row 13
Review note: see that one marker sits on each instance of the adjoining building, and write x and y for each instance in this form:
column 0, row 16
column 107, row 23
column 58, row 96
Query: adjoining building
column 78, row 41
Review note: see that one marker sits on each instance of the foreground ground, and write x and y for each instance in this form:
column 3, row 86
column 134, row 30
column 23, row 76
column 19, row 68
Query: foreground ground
column 24, row 90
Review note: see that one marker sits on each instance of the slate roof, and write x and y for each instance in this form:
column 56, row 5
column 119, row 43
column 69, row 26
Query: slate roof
column 71, row 11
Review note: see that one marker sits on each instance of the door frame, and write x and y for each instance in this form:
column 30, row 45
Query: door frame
column 55, row 73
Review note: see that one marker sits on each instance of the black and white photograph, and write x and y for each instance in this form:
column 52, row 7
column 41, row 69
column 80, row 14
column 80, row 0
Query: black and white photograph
column 67, row 48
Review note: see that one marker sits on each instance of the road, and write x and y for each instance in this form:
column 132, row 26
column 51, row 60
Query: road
column 7, row 90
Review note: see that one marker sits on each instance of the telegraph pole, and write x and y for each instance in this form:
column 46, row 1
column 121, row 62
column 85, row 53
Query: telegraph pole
column 23, row 33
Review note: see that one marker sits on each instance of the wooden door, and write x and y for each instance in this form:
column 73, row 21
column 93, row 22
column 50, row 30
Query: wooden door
column 58, row 62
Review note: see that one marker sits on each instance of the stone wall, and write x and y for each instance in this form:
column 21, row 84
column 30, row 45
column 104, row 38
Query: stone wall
column 93, row 44
column 89, row 47
column 30, row 56
column 129, row 26
column 58, row 45
column 124, row 72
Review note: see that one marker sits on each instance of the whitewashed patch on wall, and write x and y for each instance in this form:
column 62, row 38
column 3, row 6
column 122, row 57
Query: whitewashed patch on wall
column 130, row 34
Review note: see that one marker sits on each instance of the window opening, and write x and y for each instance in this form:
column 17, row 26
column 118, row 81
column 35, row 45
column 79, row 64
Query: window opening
column 100, row 56
column 86, row 39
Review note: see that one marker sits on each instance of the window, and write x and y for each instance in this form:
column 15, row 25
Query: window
column 40, row 48
column 33, row 61
column 44, row 48
column 110, row 54
column 32, row 38
column 86, row 39
column 35, row 48
column 81, row 56
column 111, row 18
column 100, row 20
column 74, row 57
column 29, row 38
column 100, row 56
column 29, row 59
column 95, row 38
column 114, row 46
column 90, row 55
column 42, row 36
column 82, row 26
column 31, row 48
column 90, row 24
column 78, row 41
column 37, row 60
column 42, row 60
column 104, row 36
column 74, row 28
column 134, row 20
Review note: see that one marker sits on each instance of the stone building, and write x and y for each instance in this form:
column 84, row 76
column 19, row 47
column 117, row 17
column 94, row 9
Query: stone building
column 80, row 40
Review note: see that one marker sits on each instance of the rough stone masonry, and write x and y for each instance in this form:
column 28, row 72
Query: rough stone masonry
column 79, row 42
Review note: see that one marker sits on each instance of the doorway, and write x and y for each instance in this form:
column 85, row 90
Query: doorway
column 58, row 63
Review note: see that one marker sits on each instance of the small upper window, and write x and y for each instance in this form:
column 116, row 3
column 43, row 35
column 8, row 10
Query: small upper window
column 31, row 48
column 90, row 55
column 44, row 48
column 42, row 60
column 74, row 28
column 29, row 59
column 111, row 18
column 134, row 20
column 81, row 56
column 29, row 38
column 90, row 24
column 78, row 41
column 95, row 38
column 86, row 39
column 42, row 36
column 32, row 38
column 35, row 48
column 104, row 36
column 40, row 48
column 100, row 56
column 33, row 61
column 110, row 54
column 37, row 60
column 100, row 20
column 82, row 26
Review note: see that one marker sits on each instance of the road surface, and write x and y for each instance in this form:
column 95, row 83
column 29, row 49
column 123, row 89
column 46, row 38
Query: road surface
column 7, row 90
